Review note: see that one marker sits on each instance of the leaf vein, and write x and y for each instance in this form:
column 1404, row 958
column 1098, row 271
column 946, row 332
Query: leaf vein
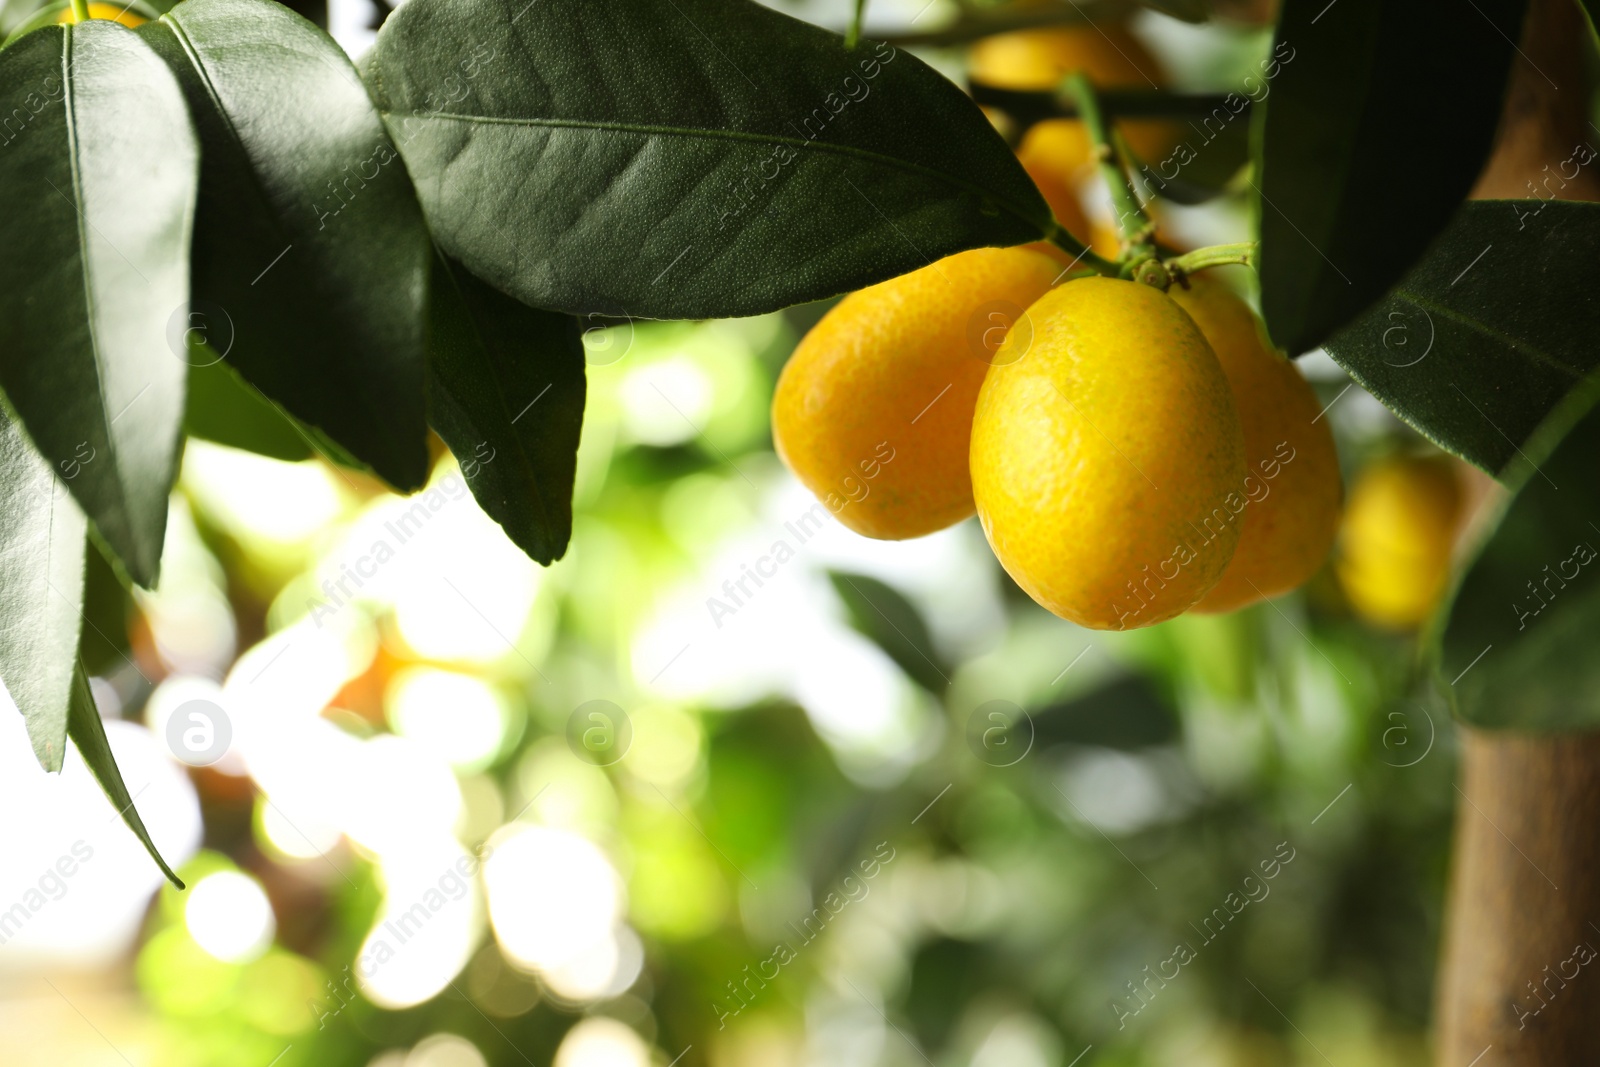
column 828, row 147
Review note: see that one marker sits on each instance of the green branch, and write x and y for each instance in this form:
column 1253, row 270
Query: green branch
column 1029, row 106
column 1080, row 252
column 853, row 37
column 80, row 11
column 1132, row 222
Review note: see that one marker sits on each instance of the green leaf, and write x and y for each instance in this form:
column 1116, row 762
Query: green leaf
column 507, row 397
column 225, row 408
column 1127, row 713
column 882, row 613
column 310, row 252
column 89, row 734
column 1380, row 118
column 42, row 537
column 1516, row 643
column 1480, row 342
column 1211, row 168
column 684, row 158
column 99, row 165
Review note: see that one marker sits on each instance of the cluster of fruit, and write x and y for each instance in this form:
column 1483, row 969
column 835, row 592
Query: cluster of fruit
column 1131, row 453
column 1134, row 449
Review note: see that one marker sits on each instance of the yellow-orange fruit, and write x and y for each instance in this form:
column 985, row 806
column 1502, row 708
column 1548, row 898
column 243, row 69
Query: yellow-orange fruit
column 1105, row 447
column 1112, row 58
column 1396, row 538
column 873, row 412
column 1291, row 489
column 113, row 12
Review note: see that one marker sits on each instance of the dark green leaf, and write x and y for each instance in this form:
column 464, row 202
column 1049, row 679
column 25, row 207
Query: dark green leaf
column 89, row 734
column 1481, row 341
column 41, row 591
column 1516, row 648
column 99, row 165
column 507, row 397
column 1380, row 118
column 894, row 624
column 225, row 408
column 104, row 646
column 1127, row 713
column 310, row 253
column 684, row 158
column 1215, row 156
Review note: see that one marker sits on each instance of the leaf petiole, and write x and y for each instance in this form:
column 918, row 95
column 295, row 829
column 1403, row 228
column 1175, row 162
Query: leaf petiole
column 1213, row 256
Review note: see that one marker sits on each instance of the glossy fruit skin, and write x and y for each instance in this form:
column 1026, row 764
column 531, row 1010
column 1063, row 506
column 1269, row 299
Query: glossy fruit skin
column 1057, row 153
column 1292, row 481
column 1396, row 539
column 113, row 12
column 873, row 412
column 1104, row 454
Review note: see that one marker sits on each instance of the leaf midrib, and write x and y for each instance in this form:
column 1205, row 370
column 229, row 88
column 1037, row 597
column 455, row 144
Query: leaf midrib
column 829, row 147
column 69, row 102
column 1461, row 318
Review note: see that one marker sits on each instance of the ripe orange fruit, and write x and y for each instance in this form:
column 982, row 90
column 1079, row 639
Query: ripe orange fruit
column 1105, row 448
column 114, row 12
column 1291, row 486
column 873, row 412
column 1057, row 154
column 1396, row 538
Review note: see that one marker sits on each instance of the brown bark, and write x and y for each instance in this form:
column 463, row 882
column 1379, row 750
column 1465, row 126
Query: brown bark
column 1519, row 978
column 1546, row 112
column 1519, row 975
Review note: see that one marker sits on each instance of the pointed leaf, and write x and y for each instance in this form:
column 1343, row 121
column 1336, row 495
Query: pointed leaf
column 882, row 613
column 1370, row 96
column 310, row 253
column 684, row 158
column 100, row 186
column 507, row 397
column 1479, row 343
column 225, row 408
column 89, row 734
column 41, row 591
column 1516, row 645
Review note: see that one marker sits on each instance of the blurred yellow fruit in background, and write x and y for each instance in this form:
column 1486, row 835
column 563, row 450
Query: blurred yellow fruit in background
column 113, row 12
column 1057, row 153
column 1396, row 538
column 1291, row 481
column 1105, row 450
column 873, row 412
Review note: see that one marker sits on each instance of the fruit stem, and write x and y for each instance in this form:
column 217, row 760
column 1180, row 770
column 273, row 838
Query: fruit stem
column 853, row 37
column 1213, row 256
column 1132, row 221
column 1058, row 236
column 80, row 11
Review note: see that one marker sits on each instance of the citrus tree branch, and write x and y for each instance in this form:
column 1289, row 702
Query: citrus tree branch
column 1029, row 106
column 1132, row 221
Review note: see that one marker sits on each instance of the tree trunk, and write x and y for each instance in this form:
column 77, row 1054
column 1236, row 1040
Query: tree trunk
column 1519, row 974
column 1519, row 983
